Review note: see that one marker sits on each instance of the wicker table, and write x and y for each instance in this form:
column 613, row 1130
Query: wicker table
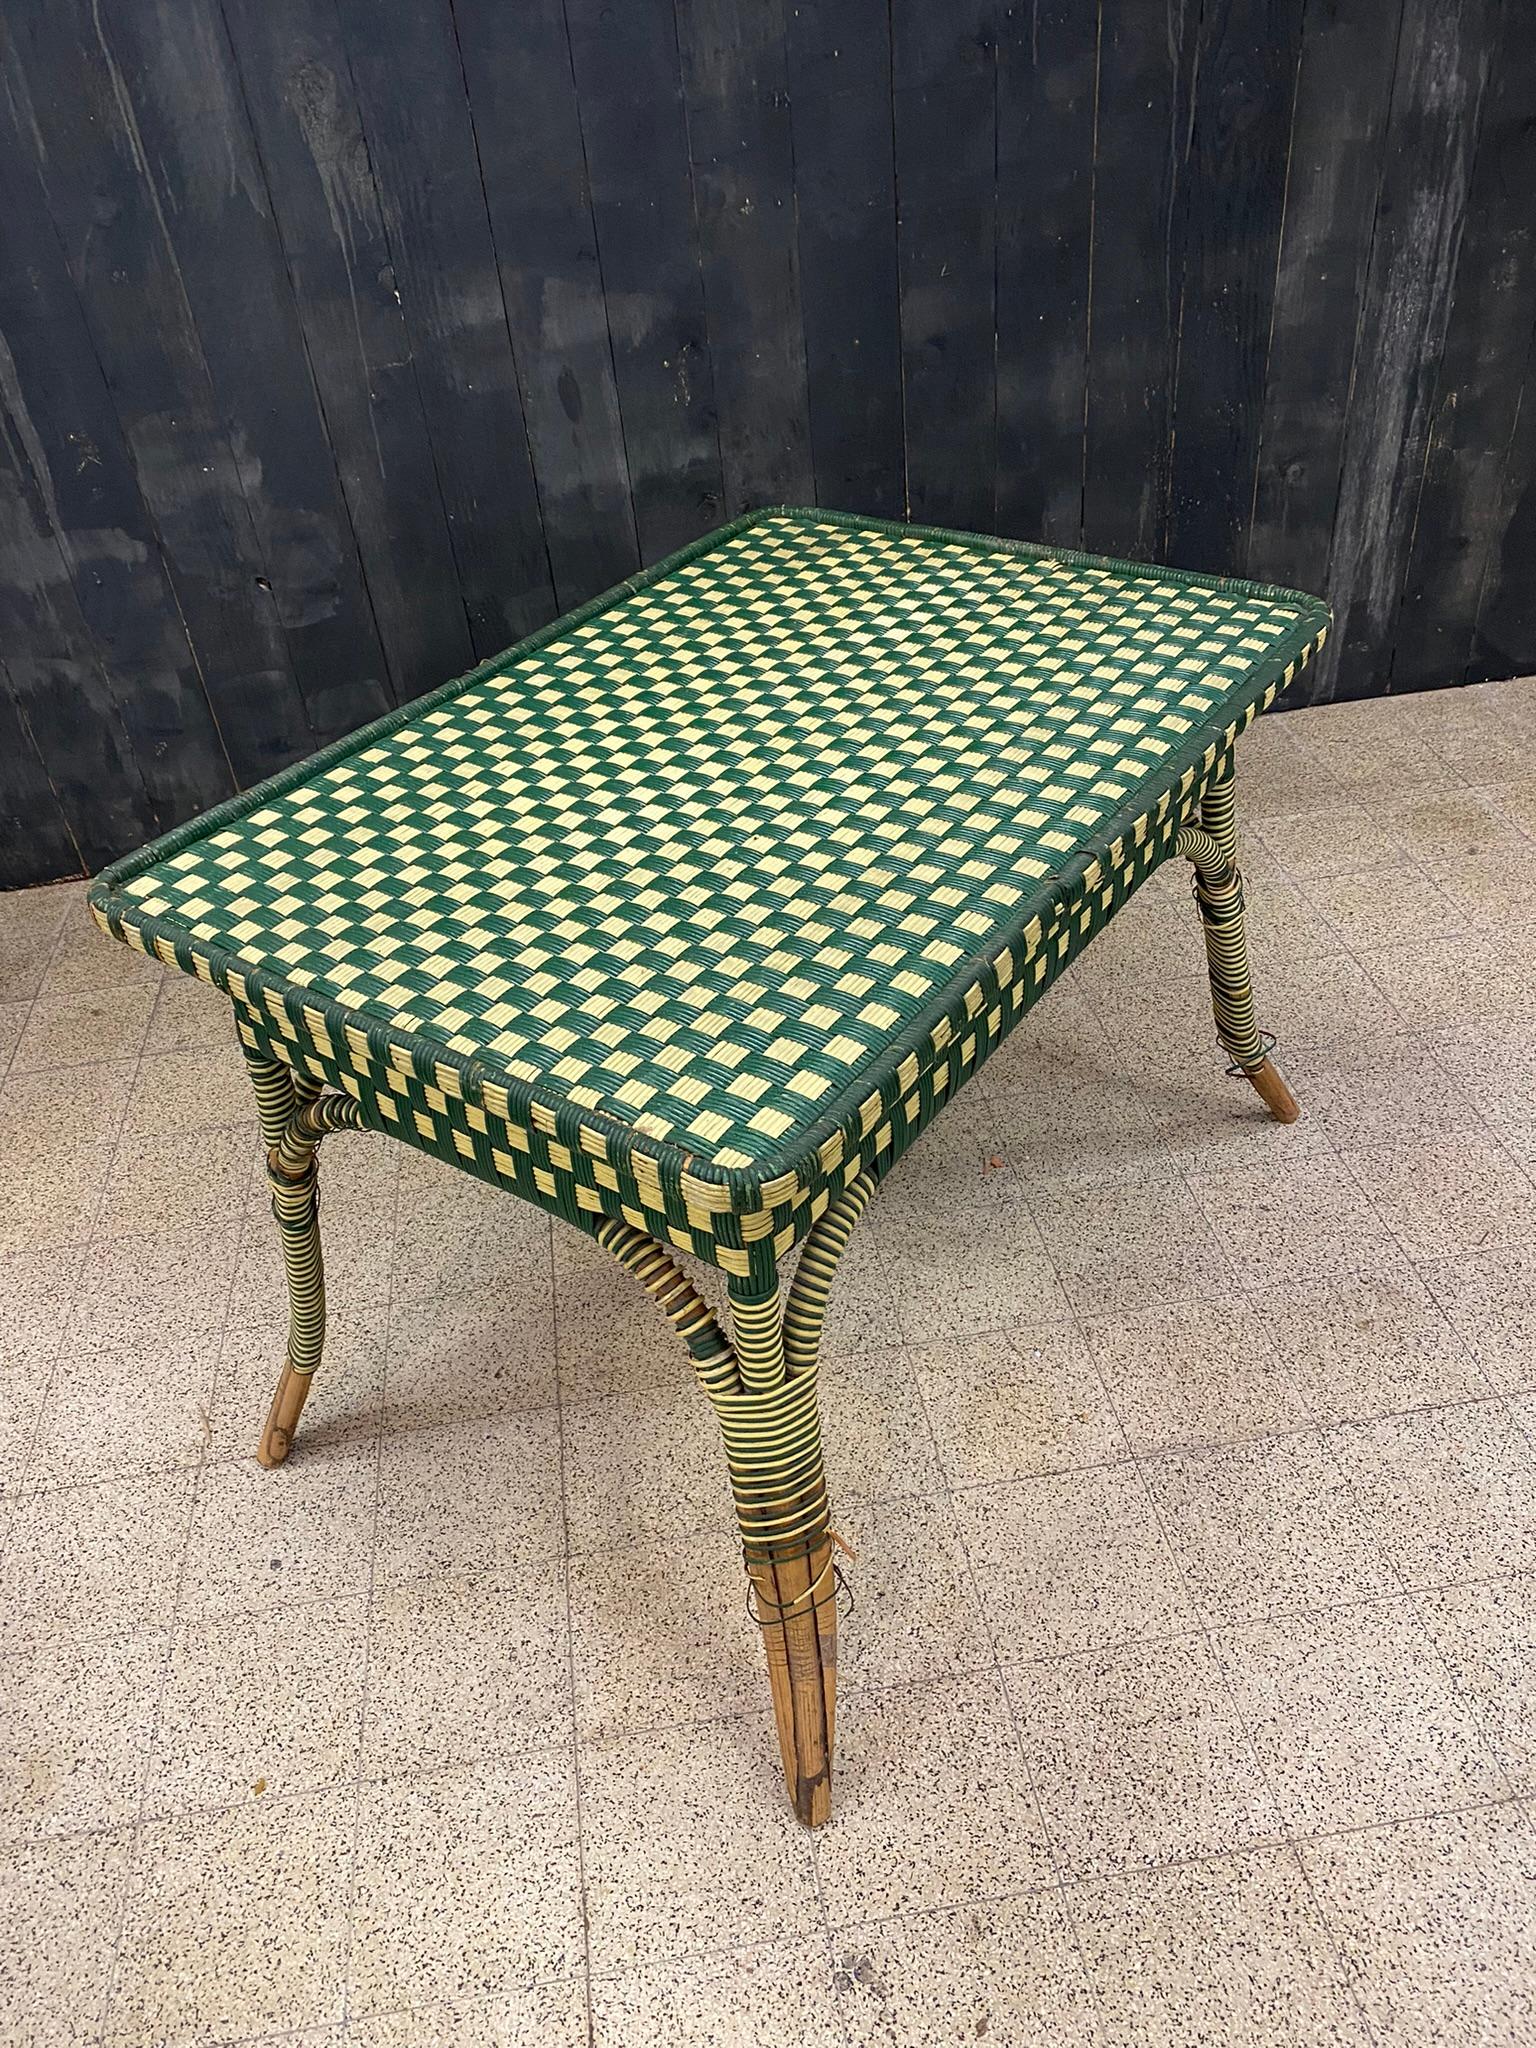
column 683, row 918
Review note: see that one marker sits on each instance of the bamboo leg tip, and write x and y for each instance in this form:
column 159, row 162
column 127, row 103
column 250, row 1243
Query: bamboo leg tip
column 1275, row 1092
column 813, row 1800
column 283, row 1416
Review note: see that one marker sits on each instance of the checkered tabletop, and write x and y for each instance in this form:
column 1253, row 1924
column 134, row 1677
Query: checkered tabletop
column 684, row 907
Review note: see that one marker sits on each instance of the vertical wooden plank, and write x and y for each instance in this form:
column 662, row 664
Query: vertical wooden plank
column 1246, row 67
column 629, row 84
column 73, row 477
column 421, row 146
column 95, row 176
column 741, row 150
column 839, row 63
column 299, row 94
column 1432, row 135
column 1342, row 92
column 59, row 690
column 1047, row 87
column 1146, row 58
column 1504, row 634
column 176, row 64
column 517, row 63
column 944, row 79
column 35, row 843
column 1477, row 398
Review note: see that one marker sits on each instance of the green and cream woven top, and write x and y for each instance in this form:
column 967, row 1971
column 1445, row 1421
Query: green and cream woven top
column 692, row 903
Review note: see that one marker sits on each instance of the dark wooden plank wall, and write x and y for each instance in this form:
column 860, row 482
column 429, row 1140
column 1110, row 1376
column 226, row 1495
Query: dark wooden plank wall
column 344, row 341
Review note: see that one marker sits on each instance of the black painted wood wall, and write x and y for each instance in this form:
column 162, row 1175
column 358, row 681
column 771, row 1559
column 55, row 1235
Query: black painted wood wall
column 344, row 341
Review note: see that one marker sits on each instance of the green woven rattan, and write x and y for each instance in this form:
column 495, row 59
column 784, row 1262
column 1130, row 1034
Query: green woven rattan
column 684, row 917
column 704, row 899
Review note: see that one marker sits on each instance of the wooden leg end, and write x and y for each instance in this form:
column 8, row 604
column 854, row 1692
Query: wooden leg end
column 797, row 1611
column 283, row 1416
column 1273, row 1087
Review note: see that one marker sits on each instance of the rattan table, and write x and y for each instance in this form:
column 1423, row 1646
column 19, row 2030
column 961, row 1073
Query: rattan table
column 685, row 916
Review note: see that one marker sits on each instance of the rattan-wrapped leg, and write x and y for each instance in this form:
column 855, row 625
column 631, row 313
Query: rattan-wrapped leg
column 772, row 1432
column 762, row 1387
column 1211, row 847
column 295, row 1116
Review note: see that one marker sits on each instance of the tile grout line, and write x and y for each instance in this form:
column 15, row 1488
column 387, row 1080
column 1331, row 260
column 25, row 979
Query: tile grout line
column 364, row 1694
column 570, row 1638
column 194, row 1473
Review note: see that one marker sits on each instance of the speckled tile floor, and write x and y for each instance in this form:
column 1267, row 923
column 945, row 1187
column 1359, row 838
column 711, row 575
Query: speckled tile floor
column 1190, row 1691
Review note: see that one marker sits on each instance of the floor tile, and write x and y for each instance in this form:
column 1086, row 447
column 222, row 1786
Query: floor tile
column 77, row 1719
column 690, row 1845
column 931, row 1806
column 237, row 1924
column 30, row 922
column 1465, row 1195
column 1117, row 1248
column 180, row 1092
column 488, row 1354
column 1379, row 1093
column 473, row 1496
column 1138, row 1757
column 71, row 1031
column 261, row 1539
column 1437, row 1923
column 1354, row 1719
column 536, row 2016
column 466, row 1877
column 451, row 1224
column 189, row 1015
column 13, row 1017
column 1443, row 826
column 1344, row 841
column 61, row 1904
column 94, row 1560
column 1006, row 1971
column 611, row 1336
column 38, row 1288
column 1265, row 1529
column 876, row 1436
column 1016, row 1402
column 1485, row 1633
column 260, row 1706
column 1077, row 1127
column 65, row 1109
column 1382, row 907
column 56, row 1201
column 780, row 1996
column 1301, row 1217
column 960, row 1261
column 660, row 1634
column 1071, row 1562
column 1230, row 1951
column 462, row 1668
column 1492, row 1067
column 911, row 1611
column 193, row 1184
column 1450, row 1493
column 1491, row 1303
column 640, row 1468
column 132, row 1388
column 85, row 958
column 1194, row 1372
column 1367, row 1344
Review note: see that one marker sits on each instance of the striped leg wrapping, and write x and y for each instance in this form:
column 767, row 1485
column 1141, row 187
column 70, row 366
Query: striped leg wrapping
column 762, row 1387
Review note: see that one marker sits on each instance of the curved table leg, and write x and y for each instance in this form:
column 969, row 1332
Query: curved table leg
column 762, row 1386
column 1211, row 848
column 295, row 1116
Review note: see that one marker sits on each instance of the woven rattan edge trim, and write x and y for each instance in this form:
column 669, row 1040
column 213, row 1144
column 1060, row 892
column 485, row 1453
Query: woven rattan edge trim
column 741, row 1187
